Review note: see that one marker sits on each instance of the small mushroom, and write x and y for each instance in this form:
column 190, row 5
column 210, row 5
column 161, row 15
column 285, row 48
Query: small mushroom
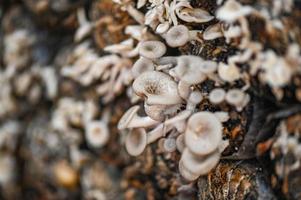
column 157, row 88
column 186, row 173
column 213, row 32
column 179, row 121
column 237, row 98
column 196, row 15
column 179, row 35
column 180, row 142
column 200, row 165
column 159, row 112
column 203, row 133
column 142, row 65
column 222, row 116
column 188, row 69
column 169, row 145
column 97, row 133
column 136, row 141
column 152, row 49
column 228, row 73
column 217, row 95
column 130, row 119
column 195, row 98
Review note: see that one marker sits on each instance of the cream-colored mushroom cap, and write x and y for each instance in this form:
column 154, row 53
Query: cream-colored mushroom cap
column 142, row 65
column 213, row 32
column 157, row 88
column 228, row 73
column 196, row 15
column 152, row 49
column 177, row 36
column 136, row 141
column 200, row 165
column 188, row 69
column 235, row 97
column 203, row 133
column 186, row 173
column 97, row 133
column 217, row 95
column 169, row 144
column 130, row 119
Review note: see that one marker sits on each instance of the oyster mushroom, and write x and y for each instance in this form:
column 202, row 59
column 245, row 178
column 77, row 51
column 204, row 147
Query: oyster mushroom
column 228, row 73
column 157, row 88
column 199, row 165
column 97, row 133
column 203, row 133
column 136, row 141
column 130, row 119
column 159, row 112
column 188, row 69
column 169, row 145
column 152, row 49
column 217, row 95
column 196, row 15
column 186, row 173
column 142, row 65
column 237, row 98
column 179, row 35
column 213, row 32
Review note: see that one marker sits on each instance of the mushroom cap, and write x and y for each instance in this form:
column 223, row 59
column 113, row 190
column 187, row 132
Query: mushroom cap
column 195, row 97
column 152, row 49
column 156, row 112
column 203, row 133
column 97, row 133
column 170, row 145
column 188, row 69
column 142, row 65
column 180, row 142
column 177, row 36
column 208, row 67
column 196, row 15
column 213, row 32
column 127, row 117
column 157, row 88
column 200, row 165
column 217, row 95
column 181, row 116
column 186, row 173
column 235, row 97
column 136, row 141
column 228, row 73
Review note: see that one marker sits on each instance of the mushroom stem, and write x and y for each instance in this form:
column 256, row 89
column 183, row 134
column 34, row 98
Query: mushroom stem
column 157, row 133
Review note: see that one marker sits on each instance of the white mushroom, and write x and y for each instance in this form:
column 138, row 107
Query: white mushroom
column 157, row 133
column 159, row 112
column 196, row 15
column 180, row 142
column 195, row 98
column 213, row 32
column 186, row 173
column 142, row 65
column 157, row 88
column 97, row 133
column 200, row 165
column 203, row 133
column 217, row 95
column 232, row 10
column 179, row 121
column 179, row 35
column 169, row 145
column 130, row 119
column 188, row 69
column 222, row 116
column 136, row 141
column 228, row 73
column 152, row 49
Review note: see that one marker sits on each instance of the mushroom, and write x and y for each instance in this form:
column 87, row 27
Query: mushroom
column 217, row 95
column 97, row 133
column 228, row 73
column 213, row 32
column 186, row 173
column 169, row 145
column 142, row 65
column 184, row 89
column 194, row 98
column 180, row 142
column 222, row 116
column 200, row 165
column 157, row 133
column 136, row 141
column 237, row 98
column 152, row 49
column 188, row 69
column 157, row 88
column 159, row 112
column 130, row 119
column 179, row 121
column 179, row 35
column 203, row 133
column 232, row 10
column 196, row 15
